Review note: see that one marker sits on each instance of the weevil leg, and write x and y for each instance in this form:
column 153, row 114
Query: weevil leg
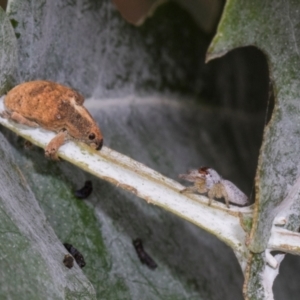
column 18, row 118
column 5, row 114
column 53, row 146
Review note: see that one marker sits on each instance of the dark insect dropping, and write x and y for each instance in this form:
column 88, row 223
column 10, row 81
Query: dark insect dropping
column 85, row 191
column 143, row 255
column 76, row 254
column 68, row 261
column 28, row 145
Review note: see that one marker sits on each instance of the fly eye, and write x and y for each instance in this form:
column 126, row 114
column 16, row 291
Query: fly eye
column 92, row 136
column 203, row 170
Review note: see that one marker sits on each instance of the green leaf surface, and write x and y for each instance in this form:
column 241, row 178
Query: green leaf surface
column 87, row 45
column 8, row 53
column 144, row 86
column 31, row 253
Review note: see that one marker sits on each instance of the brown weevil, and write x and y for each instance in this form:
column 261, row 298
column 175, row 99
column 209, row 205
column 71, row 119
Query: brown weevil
column 54, row 107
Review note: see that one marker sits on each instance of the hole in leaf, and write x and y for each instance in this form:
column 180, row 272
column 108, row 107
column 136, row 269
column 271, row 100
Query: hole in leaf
column 238, row 85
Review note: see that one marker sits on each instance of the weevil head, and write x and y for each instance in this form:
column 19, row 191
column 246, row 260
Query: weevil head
column 83, row 127
column 94, row 138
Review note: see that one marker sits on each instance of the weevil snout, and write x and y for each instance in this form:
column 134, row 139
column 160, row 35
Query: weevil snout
column 100, row 144
column 97, row 145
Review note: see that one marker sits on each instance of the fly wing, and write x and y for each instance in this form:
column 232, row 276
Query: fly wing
column 235, row 195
